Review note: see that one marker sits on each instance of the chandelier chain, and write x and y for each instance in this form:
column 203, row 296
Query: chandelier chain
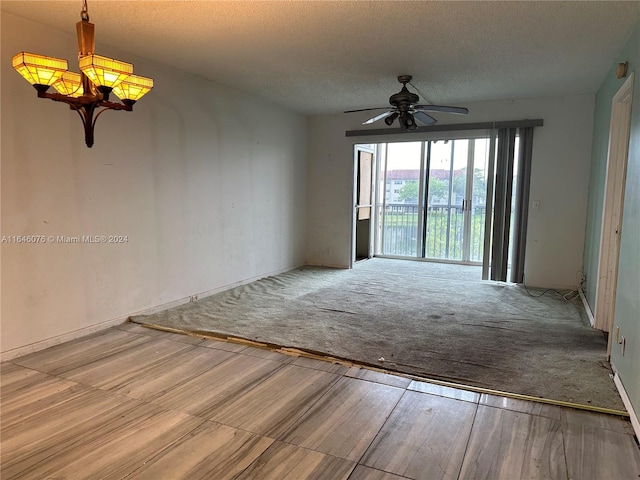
column 85, row 11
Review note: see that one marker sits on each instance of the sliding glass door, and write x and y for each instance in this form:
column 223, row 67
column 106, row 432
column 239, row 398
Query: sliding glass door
column 445, row 235
column 432, row 199
column 456, row 200
column 401, row 212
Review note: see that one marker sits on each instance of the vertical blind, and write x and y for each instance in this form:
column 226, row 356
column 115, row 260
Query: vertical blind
column 502, row 213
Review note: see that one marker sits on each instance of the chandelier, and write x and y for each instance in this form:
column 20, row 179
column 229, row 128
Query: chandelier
column 87, row 92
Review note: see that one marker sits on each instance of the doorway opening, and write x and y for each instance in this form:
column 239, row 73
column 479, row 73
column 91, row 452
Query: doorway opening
column 364, row 188
column 613, row 206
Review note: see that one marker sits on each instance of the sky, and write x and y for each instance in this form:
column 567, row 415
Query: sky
column 406, row 155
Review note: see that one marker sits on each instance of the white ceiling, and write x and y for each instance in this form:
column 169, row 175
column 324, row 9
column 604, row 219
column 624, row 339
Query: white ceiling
column 324, row 57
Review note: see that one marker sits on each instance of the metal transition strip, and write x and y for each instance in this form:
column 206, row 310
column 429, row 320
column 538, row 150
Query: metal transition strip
column 296, row 352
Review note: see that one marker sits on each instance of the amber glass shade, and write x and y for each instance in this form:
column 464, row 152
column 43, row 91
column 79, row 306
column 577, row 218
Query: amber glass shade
column 133, row 88
column 38, row 69
column 70, row 84
column 103, row 71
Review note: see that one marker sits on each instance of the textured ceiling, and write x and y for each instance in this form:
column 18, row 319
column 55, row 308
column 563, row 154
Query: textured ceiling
column 322, row 57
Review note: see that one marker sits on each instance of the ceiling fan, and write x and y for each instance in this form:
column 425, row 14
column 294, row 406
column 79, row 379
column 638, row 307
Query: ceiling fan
column 407, row 110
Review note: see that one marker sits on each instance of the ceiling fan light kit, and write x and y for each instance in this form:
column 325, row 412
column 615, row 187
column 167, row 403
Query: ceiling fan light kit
column 391, row 118
column 407, row 110
column 88, row 90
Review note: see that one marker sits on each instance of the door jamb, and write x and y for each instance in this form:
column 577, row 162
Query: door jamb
column 617, row 159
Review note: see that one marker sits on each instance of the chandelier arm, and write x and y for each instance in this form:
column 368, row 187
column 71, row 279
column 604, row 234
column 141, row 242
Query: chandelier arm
column 115, row 106
column 90, row 121
column 86, row 109
column 78, row 111
column 85, row 115
column 59, row 97
column 78, row 103
column 100, row 113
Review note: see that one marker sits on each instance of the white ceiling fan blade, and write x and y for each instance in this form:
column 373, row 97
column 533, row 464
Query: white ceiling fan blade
column 442, row 108
column 424, row 118
column 378, row 117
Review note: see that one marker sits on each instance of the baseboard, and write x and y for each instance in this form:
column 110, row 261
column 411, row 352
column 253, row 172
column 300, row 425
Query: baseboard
column 229, row 286
column 627, row 403
column 587, row 308
column 65, row 337
column 208, row 293
column 83, row 332
column 328, row 265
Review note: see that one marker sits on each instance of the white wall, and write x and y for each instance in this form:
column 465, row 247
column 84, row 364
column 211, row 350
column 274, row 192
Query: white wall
column 560, row 173
column 207, row 183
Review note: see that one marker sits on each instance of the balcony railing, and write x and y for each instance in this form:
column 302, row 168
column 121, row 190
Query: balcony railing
column 445, row 231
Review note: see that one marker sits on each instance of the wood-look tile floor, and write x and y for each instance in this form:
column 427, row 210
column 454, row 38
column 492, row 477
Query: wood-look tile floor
column 135, row 403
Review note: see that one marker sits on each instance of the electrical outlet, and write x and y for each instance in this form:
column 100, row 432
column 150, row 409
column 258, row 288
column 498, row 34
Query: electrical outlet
column 193, row 298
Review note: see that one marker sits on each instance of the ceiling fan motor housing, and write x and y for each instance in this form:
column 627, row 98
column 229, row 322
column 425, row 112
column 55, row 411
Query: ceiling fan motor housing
column 403, row 99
